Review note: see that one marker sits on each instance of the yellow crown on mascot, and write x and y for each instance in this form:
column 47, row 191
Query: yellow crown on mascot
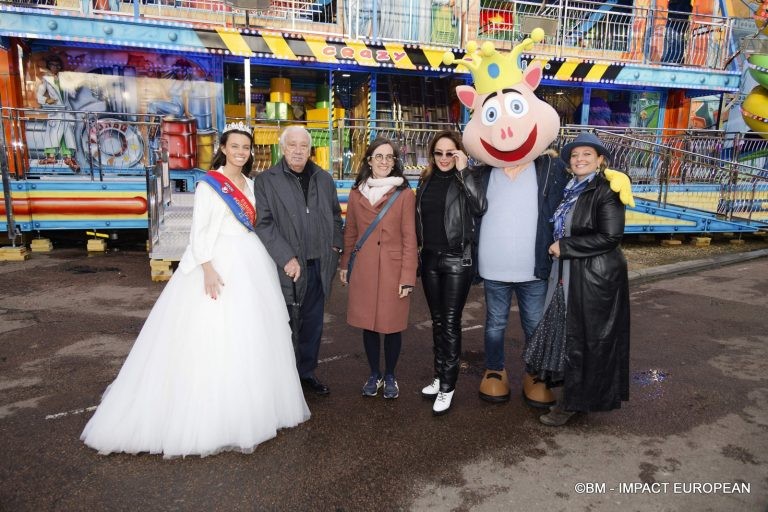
column 491, row 70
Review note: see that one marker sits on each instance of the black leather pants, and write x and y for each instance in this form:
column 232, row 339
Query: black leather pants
column 446, row 286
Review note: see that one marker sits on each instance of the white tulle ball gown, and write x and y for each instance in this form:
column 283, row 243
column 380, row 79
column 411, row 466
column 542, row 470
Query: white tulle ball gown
column 205, row 375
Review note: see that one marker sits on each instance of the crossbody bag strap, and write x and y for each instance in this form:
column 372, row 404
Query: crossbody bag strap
column 373, row 224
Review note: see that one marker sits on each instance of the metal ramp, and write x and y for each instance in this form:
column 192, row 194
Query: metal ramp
column 648, row 217
column 173, row 229
column 682, row 184
column 170, row 216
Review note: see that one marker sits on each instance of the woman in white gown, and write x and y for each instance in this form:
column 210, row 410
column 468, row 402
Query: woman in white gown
column 213, row 368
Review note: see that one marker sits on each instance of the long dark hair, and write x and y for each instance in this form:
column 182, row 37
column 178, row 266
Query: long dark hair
column 220, row 159
column 366, row 171
column 445, row 134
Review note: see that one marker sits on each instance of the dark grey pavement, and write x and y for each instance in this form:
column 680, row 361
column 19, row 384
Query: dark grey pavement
column 694, row 432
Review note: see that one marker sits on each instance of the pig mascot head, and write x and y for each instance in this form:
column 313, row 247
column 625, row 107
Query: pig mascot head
column 509, row 126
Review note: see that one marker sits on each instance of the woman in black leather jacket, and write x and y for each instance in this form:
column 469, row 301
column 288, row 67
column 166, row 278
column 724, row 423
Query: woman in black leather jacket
column 448, row 199
column 588, row 227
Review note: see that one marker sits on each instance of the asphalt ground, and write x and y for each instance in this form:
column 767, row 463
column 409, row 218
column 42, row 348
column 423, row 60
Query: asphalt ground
column 692, row 434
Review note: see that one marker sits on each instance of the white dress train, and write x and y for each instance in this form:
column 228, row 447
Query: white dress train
column 207, row 375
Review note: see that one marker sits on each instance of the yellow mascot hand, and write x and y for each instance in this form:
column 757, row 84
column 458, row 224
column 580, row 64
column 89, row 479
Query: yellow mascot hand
column 621, row 185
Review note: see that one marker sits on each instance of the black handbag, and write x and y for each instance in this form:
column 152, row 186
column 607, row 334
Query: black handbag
column 368, row 232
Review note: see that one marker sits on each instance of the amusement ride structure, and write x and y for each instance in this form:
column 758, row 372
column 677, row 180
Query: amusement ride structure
column 111, row 109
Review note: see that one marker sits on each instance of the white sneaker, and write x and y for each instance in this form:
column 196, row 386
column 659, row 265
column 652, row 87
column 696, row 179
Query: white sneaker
column 431, row 390
column 442, row 403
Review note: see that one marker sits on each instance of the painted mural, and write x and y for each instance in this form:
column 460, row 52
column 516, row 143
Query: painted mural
column 116, row 110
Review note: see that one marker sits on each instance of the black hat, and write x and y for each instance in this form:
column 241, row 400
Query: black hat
column 584, row 139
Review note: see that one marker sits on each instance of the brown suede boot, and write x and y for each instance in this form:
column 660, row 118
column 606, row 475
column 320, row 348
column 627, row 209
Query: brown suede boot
column 557, row 416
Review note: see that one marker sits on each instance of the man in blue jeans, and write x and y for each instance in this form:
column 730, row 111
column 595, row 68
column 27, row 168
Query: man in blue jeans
column 515, row 235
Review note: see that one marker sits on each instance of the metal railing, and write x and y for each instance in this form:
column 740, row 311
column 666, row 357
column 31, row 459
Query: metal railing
column 340, row 149
column 91, row 146
column 716, row 172
column 606, row 30
column 72, row 142
column 291, row 14
column 408, row 21
column 719, row 172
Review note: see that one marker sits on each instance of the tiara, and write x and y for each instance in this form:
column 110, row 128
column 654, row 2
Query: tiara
column 239, row 126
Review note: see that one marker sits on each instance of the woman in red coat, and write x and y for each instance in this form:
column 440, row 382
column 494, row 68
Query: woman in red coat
column 384, row 270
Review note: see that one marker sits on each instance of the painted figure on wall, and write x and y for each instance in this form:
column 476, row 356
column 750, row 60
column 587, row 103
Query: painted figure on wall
column 60, row 127
column 175, row 102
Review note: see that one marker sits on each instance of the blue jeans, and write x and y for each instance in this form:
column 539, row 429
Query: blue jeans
column 498, row 299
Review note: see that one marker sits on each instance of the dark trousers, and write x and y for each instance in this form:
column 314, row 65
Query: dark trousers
column 311, row 322
column 392, row 344
column 446, row 286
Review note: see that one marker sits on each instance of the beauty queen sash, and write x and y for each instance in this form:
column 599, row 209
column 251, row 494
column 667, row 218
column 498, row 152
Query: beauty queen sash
column 236, row 200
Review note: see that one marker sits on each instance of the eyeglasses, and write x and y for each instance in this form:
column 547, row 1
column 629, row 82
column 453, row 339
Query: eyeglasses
column 380, row 158
column 440, row 154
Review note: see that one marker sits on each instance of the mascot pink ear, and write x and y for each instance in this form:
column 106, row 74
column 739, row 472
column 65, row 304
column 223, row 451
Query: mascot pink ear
column 466, row 95
column 532, row 75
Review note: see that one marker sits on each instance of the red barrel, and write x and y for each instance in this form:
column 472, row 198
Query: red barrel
column 180, row 136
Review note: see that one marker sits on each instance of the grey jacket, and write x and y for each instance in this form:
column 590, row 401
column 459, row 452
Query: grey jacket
column 279, row 204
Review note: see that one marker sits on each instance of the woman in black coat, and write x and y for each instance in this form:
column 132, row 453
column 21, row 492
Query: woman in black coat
column 448, row 199
column 589, row 224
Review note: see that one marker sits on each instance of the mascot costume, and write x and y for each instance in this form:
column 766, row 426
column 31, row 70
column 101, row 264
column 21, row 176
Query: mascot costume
column 511, row 129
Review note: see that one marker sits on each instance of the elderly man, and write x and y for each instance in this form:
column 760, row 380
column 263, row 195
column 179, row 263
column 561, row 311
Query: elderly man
column 299, row 222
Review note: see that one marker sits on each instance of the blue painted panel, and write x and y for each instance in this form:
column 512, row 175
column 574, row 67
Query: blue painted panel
column 680, row 78
column 148, row 34
column 63, row 186
column 60, row 225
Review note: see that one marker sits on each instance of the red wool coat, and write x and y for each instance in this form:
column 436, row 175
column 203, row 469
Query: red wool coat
column 387, row 259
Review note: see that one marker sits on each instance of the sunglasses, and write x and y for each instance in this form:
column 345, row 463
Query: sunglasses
column 447, row 154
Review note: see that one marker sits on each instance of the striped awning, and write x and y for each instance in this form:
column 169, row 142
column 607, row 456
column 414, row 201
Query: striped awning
column 326, row 50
